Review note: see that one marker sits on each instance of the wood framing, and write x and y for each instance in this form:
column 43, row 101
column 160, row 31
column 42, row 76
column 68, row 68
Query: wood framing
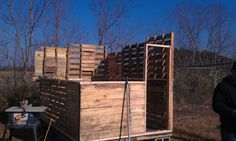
column 92, row 99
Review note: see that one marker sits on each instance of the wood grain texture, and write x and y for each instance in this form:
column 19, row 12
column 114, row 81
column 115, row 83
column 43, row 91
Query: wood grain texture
column 101, row 110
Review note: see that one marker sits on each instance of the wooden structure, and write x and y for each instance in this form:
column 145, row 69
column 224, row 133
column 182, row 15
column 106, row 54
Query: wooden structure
column 77, row 62
column 92, row 109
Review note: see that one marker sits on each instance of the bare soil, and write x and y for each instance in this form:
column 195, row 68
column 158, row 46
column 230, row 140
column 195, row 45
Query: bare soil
column 195, row 123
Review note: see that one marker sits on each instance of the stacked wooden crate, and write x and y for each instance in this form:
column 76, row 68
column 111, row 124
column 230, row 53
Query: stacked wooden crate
column 39, row 55
column 50, row 63
column 85, row 61
column 100, row 64
column 61, row 62
column 78, row 61
column 133, row 61
column 73, row 61
column 114, row 66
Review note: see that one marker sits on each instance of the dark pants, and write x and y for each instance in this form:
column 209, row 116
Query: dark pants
column 227, row 136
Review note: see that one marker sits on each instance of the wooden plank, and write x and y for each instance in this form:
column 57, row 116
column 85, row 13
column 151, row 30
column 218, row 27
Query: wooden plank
column 75, row 50
column 85, row 70
column 96, row 121
column 88, row 49
column 89, row 46
column 49, row 52
column 99, row 127
column 106, row 101
column 88, row 57
column 74, row 72
column 71, row 67
column 106, row 94
column 75, row 56
column 88, row 61
column 170, row 84
column 110, row 110
column 74, row 61
column 109, row 134
column 110, row 103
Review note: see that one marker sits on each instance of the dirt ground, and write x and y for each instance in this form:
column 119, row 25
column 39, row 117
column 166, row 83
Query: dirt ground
column 195, row 123
column 2, row 129
column 191, row 123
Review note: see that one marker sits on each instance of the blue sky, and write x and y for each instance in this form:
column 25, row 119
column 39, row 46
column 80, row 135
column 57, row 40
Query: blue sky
column 149, row 16
column 143, row 18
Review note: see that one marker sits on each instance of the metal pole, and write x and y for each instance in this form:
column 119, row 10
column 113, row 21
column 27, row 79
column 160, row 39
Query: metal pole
column 128, row 106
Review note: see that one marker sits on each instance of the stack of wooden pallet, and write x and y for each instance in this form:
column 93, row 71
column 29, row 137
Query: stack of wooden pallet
column 73, row 61
column 50, row 63
column 54, row 62
column 78, row 61
column 39, row 55
column 85, row 61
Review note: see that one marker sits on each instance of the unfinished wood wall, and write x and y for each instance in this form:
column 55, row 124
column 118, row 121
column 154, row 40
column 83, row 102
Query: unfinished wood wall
column 101, row 109
column 93, row 110
column 62, row 99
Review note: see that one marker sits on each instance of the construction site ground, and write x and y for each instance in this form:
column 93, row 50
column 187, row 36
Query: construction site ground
column 191, row 123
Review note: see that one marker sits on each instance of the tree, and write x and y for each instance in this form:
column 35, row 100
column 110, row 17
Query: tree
column 190, row 26
column 58, row 27
column 204, row 29
column 219, row 28
column 108, row 15
column 20, row 20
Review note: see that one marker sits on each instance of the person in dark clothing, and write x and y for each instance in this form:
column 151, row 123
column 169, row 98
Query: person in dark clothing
column 224, row 103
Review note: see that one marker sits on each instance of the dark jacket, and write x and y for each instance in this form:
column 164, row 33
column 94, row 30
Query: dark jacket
column 224, row 103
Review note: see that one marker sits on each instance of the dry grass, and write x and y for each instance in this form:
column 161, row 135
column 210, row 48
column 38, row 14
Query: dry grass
column 195, row 123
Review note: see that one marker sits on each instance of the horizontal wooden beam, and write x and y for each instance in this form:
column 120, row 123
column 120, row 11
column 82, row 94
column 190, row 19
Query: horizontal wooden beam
column 157, row 45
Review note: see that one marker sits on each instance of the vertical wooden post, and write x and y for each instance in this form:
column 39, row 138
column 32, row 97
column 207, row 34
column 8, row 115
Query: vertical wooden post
column 105, row 64
column 170, row 83
column 81, row 60
column 44, row 56
column 145, row 79
column 67, row 62
column 56, row 58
